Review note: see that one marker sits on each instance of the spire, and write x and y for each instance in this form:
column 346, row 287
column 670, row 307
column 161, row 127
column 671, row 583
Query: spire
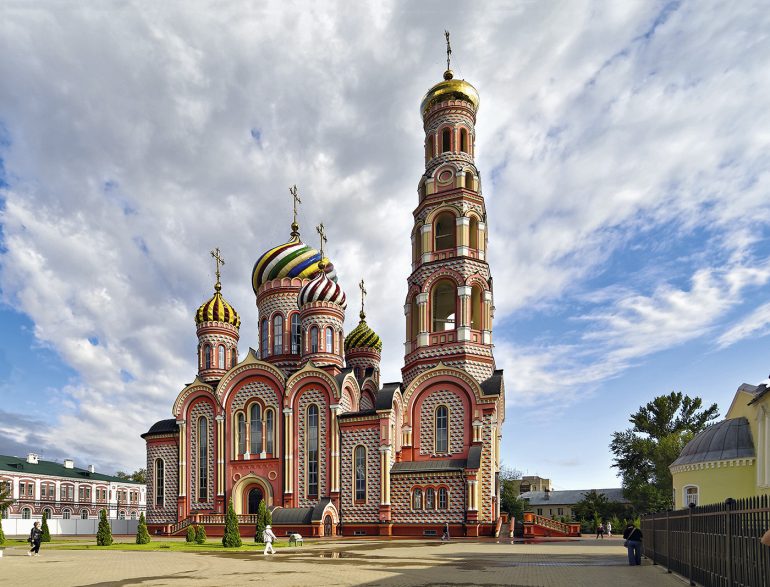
column 362, row 315
column 322, row 233
column 295, row 197
column 219, row 261
column 448, row 73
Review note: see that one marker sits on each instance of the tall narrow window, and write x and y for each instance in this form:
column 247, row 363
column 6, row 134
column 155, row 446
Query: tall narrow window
column 296, row 334
column 278, row 335
column 429, row 148
column 430, row 499
column 468, row 180
column 691, row 495
column 255, row 429
column 203, row 459
column 241, row 433
column 360, row 466
column 442, row 431
column 443, row 498
column 221, row 357
column 66, row 514
column 263, row 338
column 233, row 357
column 473, row 233
column 443, row 306
column 269, row 432
column 445, row 231
column 329, row 340
column 417, row 499
column 414, row 315
column 463, row 140
column 314, row 340
column 446, row 140
column 26, row 514
column 312, row 451
column 207, row 357
column 160, row 480
column 476, row 307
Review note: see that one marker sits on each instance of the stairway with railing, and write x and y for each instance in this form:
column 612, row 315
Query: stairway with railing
column 540, row 526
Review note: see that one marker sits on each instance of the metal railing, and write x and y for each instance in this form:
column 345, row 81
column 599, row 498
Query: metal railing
column 714, row 545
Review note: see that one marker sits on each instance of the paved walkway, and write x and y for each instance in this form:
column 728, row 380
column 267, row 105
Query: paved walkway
column 575, row 563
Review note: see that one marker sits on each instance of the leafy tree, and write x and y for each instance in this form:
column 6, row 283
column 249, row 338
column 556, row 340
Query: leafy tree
column 643, row 453
column 142, row 535
column 104, row 533
column 46, row 536
column 262, row 522
column 190, row 534
column 200, row 534
column 232, row 536
column 510, row 484
column 138, row 476
column 5, row 502
column 2, row 534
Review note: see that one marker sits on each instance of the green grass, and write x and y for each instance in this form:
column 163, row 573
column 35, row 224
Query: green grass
column 157, row 544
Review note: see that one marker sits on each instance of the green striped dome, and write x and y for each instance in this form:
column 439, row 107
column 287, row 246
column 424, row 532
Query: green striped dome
column 363, row 337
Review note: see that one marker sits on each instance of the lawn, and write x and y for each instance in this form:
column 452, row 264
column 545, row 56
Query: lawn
column 158, row 544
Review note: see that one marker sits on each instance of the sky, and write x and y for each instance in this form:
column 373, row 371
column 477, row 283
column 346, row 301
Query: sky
column 624, row 150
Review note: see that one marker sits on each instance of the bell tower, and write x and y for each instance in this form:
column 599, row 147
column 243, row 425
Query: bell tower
column 449, row 301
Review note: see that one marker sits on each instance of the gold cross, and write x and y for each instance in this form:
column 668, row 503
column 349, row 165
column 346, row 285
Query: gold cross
column 448, row 49
column 363, row 295
column 218, row 260
column 322, row 234
column 295, row 196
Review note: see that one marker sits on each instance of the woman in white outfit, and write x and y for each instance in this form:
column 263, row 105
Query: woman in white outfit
column 268, row 537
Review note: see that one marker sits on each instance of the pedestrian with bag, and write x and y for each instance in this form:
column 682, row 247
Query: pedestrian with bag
column 633, row 542
column 268, row 537
column 35, row 537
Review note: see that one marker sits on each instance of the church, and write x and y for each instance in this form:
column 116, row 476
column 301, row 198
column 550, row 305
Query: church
column 306, row 424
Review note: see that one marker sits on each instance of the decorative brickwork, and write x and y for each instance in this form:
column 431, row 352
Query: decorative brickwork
column 451, row 400
column 370, row 439
column 485, row 512
column 366, row 402
column 346, row 402
column 202, row 409
column 166, row 512
column 465, row 266
column 317, row 397
column 255, row 389
column 401, row 493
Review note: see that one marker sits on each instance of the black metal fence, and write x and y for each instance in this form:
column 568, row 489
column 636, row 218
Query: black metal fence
column 713, row 545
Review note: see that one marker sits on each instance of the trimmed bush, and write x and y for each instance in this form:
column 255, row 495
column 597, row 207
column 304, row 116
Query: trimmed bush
column 262, row 514
column 142, row 535
column 190, row 534
column 2, row 534
column 104, row 533
column 46, row 536
column 232, row 536
column 200, row 534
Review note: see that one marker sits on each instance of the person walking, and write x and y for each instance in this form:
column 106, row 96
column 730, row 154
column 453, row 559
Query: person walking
column 35, row 537
column 633, row 543
column 609, row 529
column 445, row 535
column 600, row 531
column 268, row 537
column 765, row 538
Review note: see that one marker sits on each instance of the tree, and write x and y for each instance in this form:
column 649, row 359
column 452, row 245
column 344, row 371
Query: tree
column 46, row 536
column 104, row 532
column 138, row 476
column 261, row 520
column 510, row 483
column 142, row 535
column 232, row 536
column 200, row 534
column 190, row 534
column 661, row 428
column 5, row 502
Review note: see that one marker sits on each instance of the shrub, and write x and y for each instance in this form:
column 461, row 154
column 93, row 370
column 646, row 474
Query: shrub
column 262, row 515
column 232, row 536
column 46, row 536
column 190, row 534
column 200, row 535
column 104, row 533
column 2, row 534
column 142, row 535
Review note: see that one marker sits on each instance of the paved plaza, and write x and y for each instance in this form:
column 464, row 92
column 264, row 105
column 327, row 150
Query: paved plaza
column 584, row 562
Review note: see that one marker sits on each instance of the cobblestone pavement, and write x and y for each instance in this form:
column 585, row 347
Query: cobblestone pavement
column 574, row 563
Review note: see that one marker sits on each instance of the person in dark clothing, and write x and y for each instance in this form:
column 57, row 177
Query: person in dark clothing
column 633, row 537
column 445, row 536
column 35, row 537
column 600, row 531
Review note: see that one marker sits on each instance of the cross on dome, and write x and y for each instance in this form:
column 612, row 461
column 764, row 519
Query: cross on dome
column 295, row 196
column 363, row 296
column 219, row 261
column 322, row 233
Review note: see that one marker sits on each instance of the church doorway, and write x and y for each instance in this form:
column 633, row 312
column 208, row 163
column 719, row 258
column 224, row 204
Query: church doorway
column 328, row 525
column 255, row 496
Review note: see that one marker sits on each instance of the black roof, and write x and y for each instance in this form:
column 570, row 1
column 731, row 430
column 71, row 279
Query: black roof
column 292, row 516
column 340, row 377
column 357, row 414
column 571, row 496
column 318, row 510
column 384, row 399
column 759, row 392
column 728, row 439
column 162, row 427
column 428, row 466
column 493, row 385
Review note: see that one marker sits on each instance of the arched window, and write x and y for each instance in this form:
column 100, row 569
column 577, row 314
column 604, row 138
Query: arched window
column 468, row 180
column 446, row 140
column 463, row 140
column 263, row 338
column 414, row 329
column 329, row 340
column 47, row 513
column 278, row 334
column 417, row 499
column 296, row 334
column 360, row 468
column 312, row 450
column 442, row 430
column 203, row 459
column 444, row 228
column 430, row 499
column 270, row 430
column 83, row 514
column 160, row 482
column 255, row 429
column 443, row 498
column 207, row 357
column 66, row 514
column 314, row 340
column 233, row 357
column 429, row 148
column 690, row 495
column 241, row 430
column 416, row 246
column 200, row 356
column 443, row 306
column 473, row 229
column 122, row 515
column 221, row 357
column 26, row 514
column 476, row 307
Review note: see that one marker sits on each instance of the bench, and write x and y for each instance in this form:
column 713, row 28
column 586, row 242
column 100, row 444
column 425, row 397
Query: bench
column 295, row 539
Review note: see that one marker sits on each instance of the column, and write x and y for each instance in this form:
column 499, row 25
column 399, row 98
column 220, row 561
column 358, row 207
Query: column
column 766, row 455
column 423, row 337
column 464, row 319
column 463, row 235
column 182, row 457
column 426, row 234
column 220, row 419
column 492, row 469
column 760, row 444
column 335, row 450
column 385, row 475
column 288, row 465
column 482, row 241
column 408, row 334
column 486, row 318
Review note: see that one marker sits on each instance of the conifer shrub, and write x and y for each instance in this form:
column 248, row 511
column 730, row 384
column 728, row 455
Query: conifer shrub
column 262, row 522
column 190, row 534
column 142, row 535
column 200, row 534
column 232, row 536
column 104, row 533
column 2, row 534
column 46, row 536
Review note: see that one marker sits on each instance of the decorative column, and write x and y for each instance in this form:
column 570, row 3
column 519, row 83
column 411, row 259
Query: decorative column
column 182, row 457
column 426, row 234
column 477, row 429
column 482, row 240
column 464, row 319
column 288, row 461
column 386, row 528
column 486, row 318
column 463, row 224
column 220, row 419
column 335, row 451
column 423, row 337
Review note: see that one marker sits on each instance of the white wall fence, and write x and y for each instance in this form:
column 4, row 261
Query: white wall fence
column 73, row 526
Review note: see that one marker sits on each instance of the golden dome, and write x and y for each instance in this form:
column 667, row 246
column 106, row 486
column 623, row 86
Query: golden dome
column 217, row 309
column 450, row 89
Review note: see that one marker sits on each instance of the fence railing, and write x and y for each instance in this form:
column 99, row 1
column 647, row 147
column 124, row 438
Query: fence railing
column 714, row 545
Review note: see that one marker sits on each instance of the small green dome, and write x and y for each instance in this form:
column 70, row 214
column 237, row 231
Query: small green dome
column 363, row 337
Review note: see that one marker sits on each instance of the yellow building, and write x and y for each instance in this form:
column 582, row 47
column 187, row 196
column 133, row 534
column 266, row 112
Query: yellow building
column 730, row 458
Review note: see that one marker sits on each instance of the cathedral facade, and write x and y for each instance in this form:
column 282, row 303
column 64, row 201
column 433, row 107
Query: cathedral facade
column 305, row 422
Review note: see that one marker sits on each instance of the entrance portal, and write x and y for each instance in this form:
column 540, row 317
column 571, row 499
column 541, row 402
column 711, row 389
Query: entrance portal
column 328, row 525
column 255, row 496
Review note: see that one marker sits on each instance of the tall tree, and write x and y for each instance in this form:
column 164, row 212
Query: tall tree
column 510, row 484
column 232, row 535
column 643, row 453
column 5, row 502
column 104, row 532
column 46, row 536
column 142, row 535
column 138, row 476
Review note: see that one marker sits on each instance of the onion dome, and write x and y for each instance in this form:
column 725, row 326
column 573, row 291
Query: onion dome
column 291, row 259
column 362, row 336
column 322, row 289
column 217, row 309
column 450, row 89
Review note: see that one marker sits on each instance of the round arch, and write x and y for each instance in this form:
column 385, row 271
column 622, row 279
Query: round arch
column 244, row 485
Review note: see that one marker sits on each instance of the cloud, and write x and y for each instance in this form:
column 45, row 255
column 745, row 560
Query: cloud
column 755, row 324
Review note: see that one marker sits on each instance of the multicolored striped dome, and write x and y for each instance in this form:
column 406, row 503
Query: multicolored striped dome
column 292, row 259
column 217, row 309
column 362, row 336
column 322, row 289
